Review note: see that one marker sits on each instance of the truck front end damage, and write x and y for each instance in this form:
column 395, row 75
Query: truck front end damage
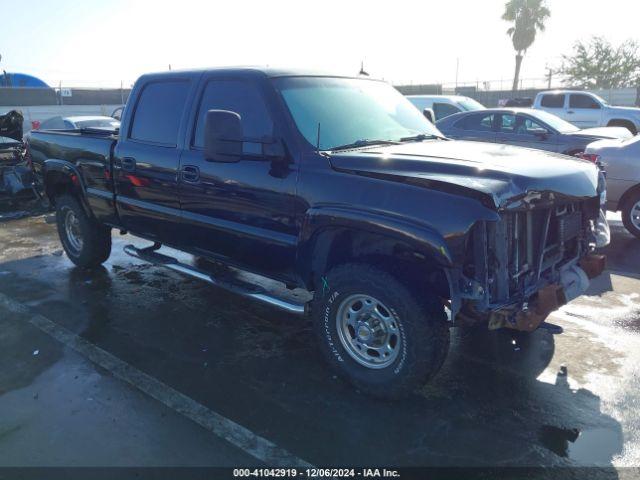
column 537, row 257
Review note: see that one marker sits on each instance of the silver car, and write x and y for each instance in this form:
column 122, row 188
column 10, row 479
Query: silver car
column 525, row 127
column 621, row 161
column 81, row 121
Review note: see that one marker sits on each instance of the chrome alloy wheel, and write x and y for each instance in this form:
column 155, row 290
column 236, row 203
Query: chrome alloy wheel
column 368, row 331
column 635, row 215
column 73, row 231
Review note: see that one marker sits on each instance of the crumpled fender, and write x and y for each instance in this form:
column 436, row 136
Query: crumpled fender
column 321, row 219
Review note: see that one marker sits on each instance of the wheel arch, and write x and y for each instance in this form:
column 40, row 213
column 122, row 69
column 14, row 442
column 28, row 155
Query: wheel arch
column 392, row 244
column 627, row 195
column 623, row 122
column 62, row 177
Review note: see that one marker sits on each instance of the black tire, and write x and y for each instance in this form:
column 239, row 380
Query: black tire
column 95, row 245
column 422, row 330
column 624, row 123
column 633, row 201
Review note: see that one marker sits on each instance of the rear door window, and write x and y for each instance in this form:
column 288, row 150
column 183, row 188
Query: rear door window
column 553, row 101
column 477, row 123
column 442, row 110
column 158, row 112
column 243, row 98
column 583, row 101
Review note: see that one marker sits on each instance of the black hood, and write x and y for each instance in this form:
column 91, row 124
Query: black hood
column 11, row 125
column 501, row 173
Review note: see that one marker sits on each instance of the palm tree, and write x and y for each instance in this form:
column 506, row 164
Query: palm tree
column 528, row 16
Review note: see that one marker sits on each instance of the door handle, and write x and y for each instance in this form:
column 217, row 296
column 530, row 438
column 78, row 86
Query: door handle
column 128, row 164
column 570, row 112
column 190, row 173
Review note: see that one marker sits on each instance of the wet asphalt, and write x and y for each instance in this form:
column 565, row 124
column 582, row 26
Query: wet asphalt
column 570, row 399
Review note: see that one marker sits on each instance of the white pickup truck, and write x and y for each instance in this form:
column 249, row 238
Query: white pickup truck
column 587, row 110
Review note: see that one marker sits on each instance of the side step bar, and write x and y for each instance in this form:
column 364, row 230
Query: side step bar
column 244, row 289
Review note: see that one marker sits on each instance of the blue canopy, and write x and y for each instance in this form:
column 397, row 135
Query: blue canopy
column 20, row 80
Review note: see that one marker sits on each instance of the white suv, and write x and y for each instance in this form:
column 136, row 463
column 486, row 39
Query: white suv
column 444, row 105
column 587, row 110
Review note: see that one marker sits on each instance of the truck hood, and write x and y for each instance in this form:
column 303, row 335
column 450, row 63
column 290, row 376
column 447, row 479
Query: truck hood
column 628, row 111
column 500, row 175
column 604, row 132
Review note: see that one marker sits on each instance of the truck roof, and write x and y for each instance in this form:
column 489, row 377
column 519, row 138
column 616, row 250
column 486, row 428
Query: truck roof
column 249, row 71
column 561, row 91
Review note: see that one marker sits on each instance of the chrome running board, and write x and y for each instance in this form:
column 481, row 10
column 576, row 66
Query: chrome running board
column 242, row 288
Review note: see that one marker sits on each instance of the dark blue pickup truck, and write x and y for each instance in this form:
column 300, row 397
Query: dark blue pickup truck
column 340, row 187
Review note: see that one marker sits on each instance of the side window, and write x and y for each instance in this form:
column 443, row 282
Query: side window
column 53, row 123
column 552, row 101
column 583, row 101
column 442, row 110
column 507, row 123
column 478, row 123
column 531, row 127
column 520, row 125
column 158, row 112
column 243, row 98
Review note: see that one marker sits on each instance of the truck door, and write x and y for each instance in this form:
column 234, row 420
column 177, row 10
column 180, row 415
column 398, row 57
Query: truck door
column 584, row 111
column 554, row 103
column 147, row 157
column 241, row 211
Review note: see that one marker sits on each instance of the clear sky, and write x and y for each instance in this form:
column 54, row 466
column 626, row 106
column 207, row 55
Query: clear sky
column 100, row 43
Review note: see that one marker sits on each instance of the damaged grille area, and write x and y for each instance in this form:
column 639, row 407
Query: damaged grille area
column 510, row 260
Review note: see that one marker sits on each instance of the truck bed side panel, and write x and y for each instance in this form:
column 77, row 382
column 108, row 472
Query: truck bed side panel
column 91, row 155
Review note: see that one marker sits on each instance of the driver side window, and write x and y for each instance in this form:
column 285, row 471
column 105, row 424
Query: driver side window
column 531, row 127
column 520, row 125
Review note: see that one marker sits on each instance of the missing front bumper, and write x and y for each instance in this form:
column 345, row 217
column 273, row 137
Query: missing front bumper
column 573, row 283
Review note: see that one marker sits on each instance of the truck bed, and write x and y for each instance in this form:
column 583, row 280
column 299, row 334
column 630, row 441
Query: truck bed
column 90, row 151
column 71, row 145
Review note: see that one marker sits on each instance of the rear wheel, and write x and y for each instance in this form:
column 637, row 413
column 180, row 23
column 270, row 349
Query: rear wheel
column 623, row 123
column 86, row 242
column 376, row 333
column 631, row 213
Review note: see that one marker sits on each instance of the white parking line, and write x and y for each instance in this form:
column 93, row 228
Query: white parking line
column 236, row 434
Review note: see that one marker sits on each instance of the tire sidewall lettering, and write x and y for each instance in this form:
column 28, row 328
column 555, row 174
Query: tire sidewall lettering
column 327, row 326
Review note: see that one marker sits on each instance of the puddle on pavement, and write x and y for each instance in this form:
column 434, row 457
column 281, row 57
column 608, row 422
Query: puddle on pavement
column 588, row 447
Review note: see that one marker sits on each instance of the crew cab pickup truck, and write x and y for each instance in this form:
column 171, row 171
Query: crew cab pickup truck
column 341, row 188
column 587, row 110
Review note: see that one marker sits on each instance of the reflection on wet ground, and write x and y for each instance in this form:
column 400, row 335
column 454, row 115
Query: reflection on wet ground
column 502, row 399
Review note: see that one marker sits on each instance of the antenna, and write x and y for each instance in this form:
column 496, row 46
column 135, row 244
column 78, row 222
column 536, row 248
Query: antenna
column 362, row 70
column 318, row 139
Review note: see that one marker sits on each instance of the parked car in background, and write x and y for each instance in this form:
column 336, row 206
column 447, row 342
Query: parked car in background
column 525, row 127
column 517, row 102
column 621, row 161
column 585, row 110
column 72, row 123
column 445, row 105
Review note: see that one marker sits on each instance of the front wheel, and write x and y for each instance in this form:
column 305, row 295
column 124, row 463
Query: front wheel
column 86, row 242
column 376, row 333
column 631, row 214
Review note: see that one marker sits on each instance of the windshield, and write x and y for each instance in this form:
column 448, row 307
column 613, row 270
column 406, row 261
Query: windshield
column 469, row 104
column 350, row 111
column 600, row 99
column 98, row 123
column 554, row 122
